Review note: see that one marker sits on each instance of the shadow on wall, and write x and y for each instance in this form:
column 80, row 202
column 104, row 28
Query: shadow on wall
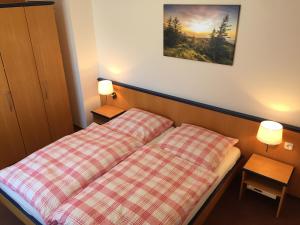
column 66, row 37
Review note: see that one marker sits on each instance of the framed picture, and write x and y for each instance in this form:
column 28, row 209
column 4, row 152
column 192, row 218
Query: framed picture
column 205, row 33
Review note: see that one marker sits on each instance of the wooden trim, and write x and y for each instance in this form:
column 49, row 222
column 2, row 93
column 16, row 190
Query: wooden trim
column 202, row 105
column 17, row 210
column 214, row 198
column 25, row 4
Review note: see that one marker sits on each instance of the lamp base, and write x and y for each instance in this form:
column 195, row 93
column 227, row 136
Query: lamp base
column 267, row 147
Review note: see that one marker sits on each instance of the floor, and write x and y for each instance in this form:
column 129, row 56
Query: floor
column 7, row 218
column 253, row 209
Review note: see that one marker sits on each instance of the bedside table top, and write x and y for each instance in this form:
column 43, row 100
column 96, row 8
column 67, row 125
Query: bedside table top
column 269, row 168
column 108, row 111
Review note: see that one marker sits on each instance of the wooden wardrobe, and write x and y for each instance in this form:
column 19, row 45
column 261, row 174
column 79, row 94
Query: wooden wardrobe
column 34, row 105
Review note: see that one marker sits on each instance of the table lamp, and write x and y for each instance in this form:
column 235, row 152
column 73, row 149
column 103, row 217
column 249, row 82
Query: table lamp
column 105, row 87
column 270, row 133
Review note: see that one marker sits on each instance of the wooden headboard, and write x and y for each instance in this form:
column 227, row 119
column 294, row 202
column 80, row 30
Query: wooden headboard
column 234, row 124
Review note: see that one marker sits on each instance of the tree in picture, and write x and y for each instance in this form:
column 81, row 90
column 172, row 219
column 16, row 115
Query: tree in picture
column 201, row 32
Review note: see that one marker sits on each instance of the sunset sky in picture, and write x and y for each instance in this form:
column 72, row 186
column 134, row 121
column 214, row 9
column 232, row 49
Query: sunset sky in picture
column 200, row 20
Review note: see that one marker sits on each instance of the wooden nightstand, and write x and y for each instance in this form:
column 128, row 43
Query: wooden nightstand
column 266, row 176
column 105, row 113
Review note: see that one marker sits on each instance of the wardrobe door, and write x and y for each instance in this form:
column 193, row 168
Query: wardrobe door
column 11, row 144
column 46, row 48
column 21, row 73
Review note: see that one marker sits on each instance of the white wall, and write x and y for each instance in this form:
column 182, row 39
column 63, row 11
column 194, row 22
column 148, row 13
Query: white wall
column 263, row 81
column 78, row 44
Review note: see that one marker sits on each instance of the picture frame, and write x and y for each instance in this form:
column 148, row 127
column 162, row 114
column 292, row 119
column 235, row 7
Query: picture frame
column 205, row 33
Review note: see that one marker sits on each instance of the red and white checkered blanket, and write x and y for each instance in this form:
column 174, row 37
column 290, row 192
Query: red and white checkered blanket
column 198, row 145
column 49, row 176
column 151, row 186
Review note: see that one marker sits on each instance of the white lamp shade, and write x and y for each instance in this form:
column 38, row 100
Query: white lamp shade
column 105, row 87
column 270, row 133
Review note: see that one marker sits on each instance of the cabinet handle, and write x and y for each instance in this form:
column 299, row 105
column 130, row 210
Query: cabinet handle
column 8, row 94
column 1, row 59
column 45, row 89
column 9, row 101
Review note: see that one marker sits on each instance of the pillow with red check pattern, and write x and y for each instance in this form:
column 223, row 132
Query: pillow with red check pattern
column 139, row 124
column 198, row 145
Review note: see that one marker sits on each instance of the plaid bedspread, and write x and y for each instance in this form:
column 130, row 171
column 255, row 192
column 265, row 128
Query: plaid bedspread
column 49, row 176
column 198, row 145
column 151, row 186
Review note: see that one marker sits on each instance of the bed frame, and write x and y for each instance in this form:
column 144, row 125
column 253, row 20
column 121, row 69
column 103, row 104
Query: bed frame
column 19, row 212
column 234, row 124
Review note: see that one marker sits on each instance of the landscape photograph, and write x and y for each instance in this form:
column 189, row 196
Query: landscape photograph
column 201, row 32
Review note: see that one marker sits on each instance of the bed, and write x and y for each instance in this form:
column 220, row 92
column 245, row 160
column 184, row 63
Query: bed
column 226, row 171
column 230, row 160
column 162, row 183
column 45, row 179
column 19, row 202
column 21, row 206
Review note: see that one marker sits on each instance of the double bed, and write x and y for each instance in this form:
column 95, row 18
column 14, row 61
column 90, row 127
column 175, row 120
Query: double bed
column 223, row 170
column 138, row 139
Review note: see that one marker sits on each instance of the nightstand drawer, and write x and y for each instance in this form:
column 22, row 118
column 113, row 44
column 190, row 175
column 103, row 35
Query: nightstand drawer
column 261, row 191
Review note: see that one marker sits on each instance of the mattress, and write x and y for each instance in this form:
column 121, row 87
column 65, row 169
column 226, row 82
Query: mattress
column 226, row 165
column 230, row 159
